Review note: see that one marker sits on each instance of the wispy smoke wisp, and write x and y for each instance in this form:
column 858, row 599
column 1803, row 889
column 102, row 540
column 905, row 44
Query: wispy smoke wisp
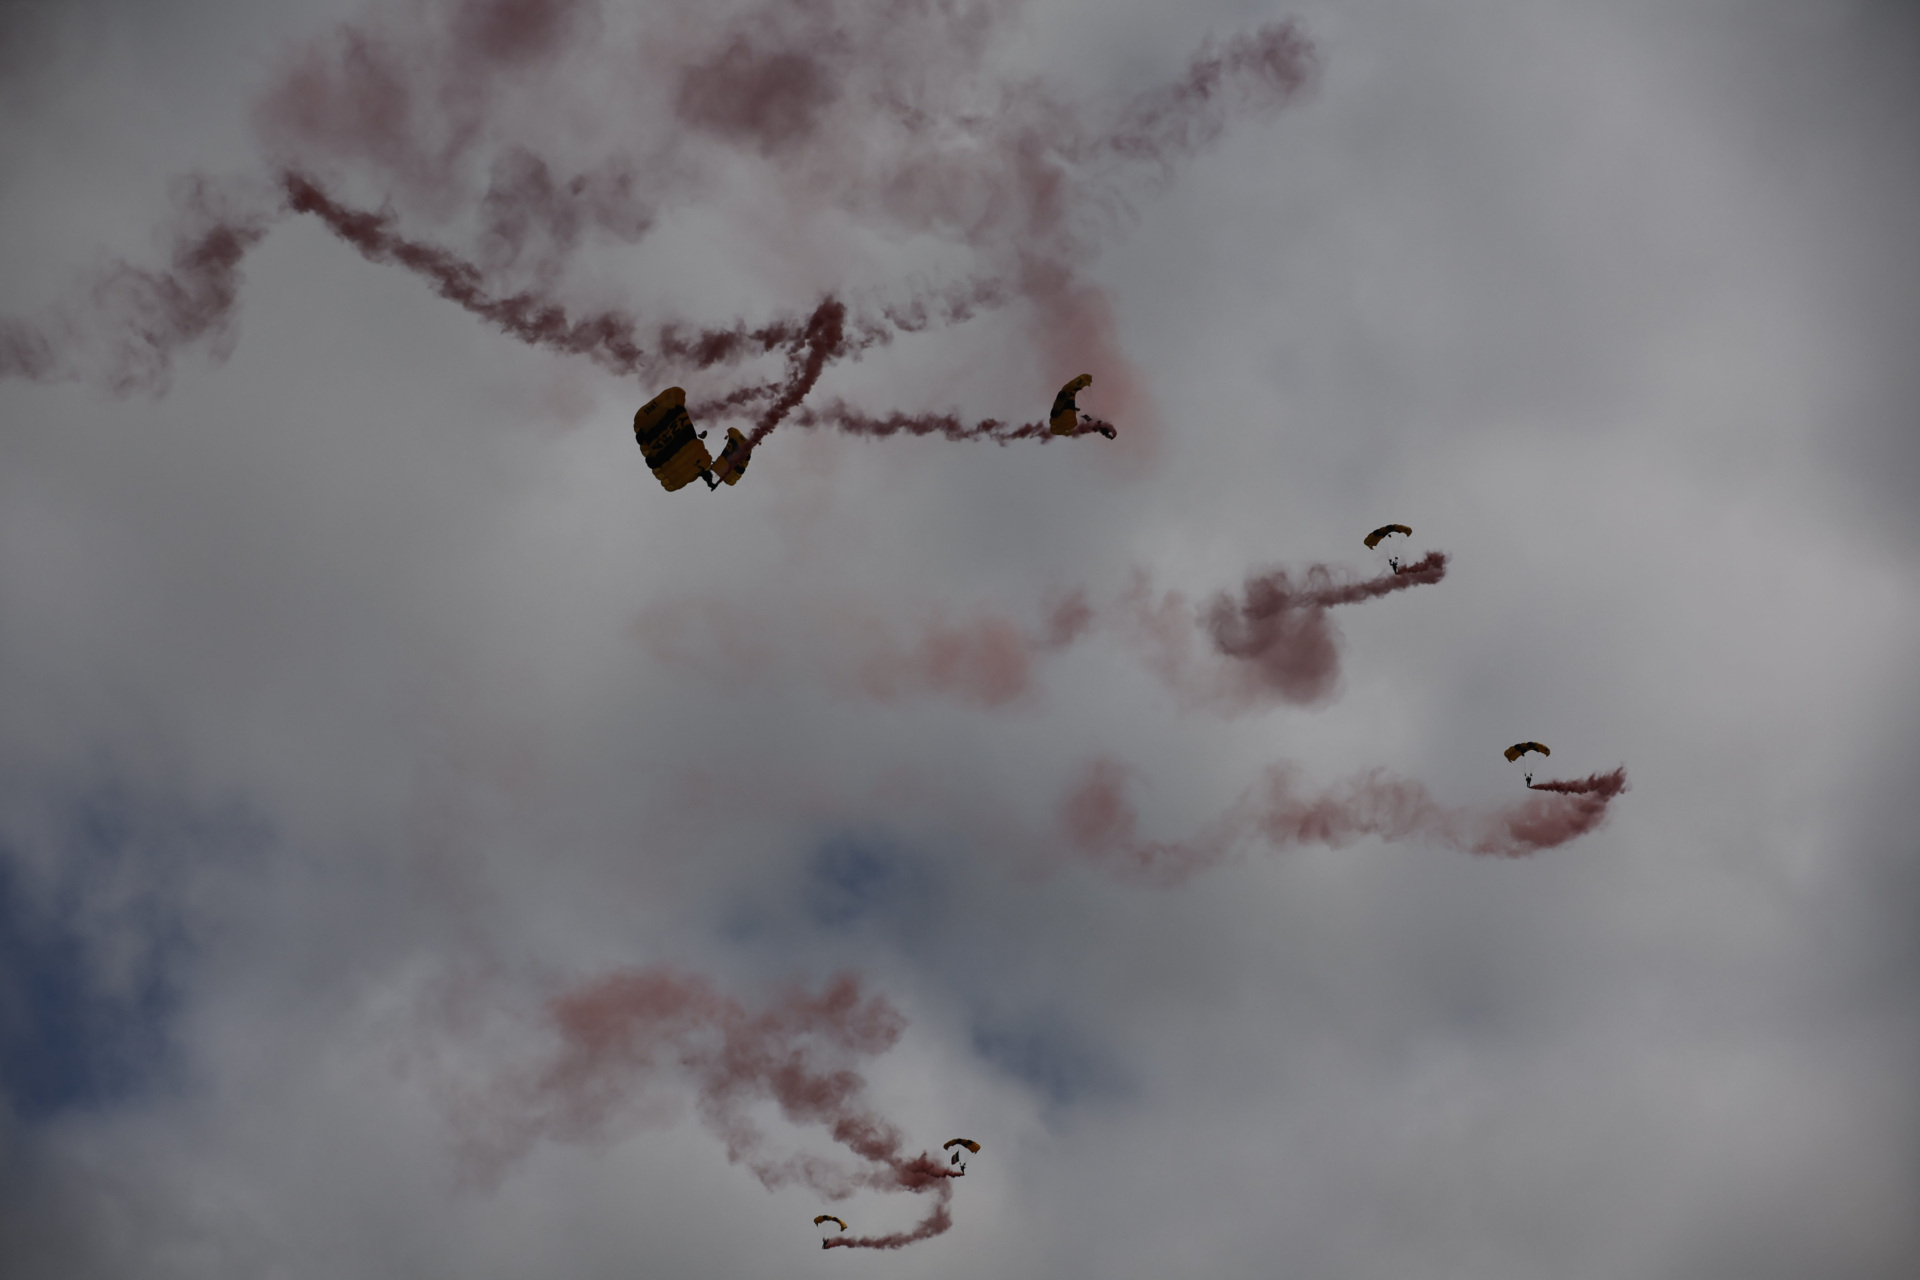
column 622, row 1033
column 1099, row 820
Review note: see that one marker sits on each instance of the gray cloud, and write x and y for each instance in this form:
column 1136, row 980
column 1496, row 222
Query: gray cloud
column 1603, row 299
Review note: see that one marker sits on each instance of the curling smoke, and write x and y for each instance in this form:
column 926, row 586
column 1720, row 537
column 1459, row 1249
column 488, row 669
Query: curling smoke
column 541, row 127
column 1275, row 643
column 122, row 328
column 624, row 1032
column 1100, row 822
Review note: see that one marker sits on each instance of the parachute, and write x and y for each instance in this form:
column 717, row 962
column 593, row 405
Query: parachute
column 968, row 1143
column 668, row 442
column 1064, row 419
column 1519, row 749
column 1385, row 530
column 827, row 1217
column 734, row 458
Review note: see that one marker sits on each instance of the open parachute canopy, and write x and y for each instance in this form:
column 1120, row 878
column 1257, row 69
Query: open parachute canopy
column 734, row 458
column 1519, row 749
column 1064, row 418
column 1373, row 539
column 668, row 442
column 827, row 1217
column 968, row 1143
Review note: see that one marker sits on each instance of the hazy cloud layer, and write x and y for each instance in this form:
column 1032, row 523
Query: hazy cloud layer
column 428, row 847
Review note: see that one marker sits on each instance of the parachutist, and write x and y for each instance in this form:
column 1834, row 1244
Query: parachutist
column 1064, row 418
column 668, row 442
column 1393, row 563
column 1529, row 779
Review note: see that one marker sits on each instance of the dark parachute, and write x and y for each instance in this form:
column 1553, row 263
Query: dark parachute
column 1064, row 419
column 1519, row 749
column 669, row 444
column 734, row 458
column 1385, row 530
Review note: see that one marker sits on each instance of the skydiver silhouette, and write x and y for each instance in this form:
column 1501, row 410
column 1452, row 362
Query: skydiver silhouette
column 1395, row 562
column 1529, row 779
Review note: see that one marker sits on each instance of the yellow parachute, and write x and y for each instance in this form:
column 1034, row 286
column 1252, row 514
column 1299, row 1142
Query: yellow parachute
column 734, row 458
column 669, row 444
column 1373, row 539
column 968, row 1143
column 1064, row 420
column 1519, row 749
column 827, row 1217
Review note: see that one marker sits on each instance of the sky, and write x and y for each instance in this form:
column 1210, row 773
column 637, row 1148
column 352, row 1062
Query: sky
column 430, row 847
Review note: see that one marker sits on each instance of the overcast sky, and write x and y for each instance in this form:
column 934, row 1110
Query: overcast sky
column 368, row 710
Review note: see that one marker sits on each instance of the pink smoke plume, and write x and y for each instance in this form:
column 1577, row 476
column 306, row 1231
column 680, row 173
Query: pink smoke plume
column 541, row 127
column 1100, row 822
column 1275, row 643
column 625, row 1031
column 122, row 327
column 984, row 659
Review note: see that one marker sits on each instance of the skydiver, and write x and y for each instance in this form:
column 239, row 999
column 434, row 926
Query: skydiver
column 1394, row 563
column 1529, row 779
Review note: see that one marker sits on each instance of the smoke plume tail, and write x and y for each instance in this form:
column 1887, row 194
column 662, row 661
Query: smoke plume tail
column 1099, row 820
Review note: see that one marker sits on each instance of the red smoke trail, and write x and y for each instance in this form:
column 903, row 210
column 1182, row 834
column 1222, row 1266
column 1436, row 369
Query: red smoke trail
column 539, row 125
column 1100, row 822
column 608, row 338
column 1281, row 642
column 627, row 1030
column 123, row 329
column 1275, row 643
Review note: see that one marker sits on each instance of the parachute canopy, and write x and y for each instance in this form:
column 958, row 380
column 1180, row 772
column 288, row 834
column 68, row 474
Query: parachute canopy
column 827, row 1217
column 1064, row 419
column 667, row 441
column 734, row 458
column 968, row 1143
column 1519, row 749
column 1373, row 539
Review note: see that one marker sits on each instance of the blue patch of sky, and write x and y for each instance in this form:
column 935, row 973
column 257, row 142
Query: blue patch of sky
column 858, row 889
column 73, row 1037
column 1050, row 1056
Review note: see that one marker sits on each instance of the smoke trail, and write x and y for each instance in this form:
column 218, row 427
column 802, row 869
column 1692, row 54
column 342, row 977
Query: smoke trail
column 1275, row 643
column 621, row 1033
column 542, row 126
column 1279, row 642
column 123, row 328
column 1101, row 823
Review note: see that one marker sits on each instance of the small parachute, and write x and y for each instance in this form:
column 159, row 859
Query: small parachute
column 1519, row 749
column 827, row 1217
column 734, row 458
column 668, row 442
column 968, row 1143
column 1386, row 530
column 1064, row 418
